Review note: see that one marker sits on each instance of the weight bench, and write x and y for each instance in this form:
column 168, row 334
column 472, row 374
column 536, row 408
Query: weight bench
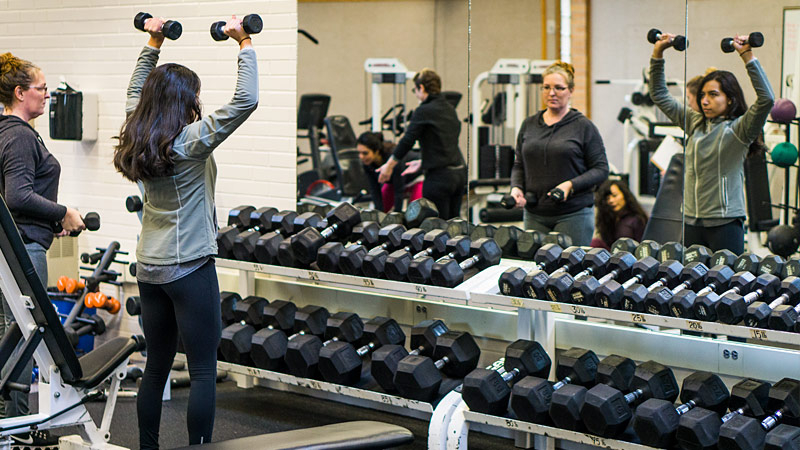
column 66, row 382
column 346, row 435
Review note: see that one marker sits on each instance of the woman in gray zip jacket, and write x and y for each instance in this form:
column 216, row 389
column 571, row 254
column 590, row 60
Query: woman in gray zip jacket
column 166, row 144
column 719, row 138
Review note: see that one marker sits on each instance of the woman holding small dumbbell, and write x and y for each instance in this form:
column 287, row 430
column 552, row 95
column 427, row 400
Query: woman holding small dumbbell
column 166, row 144
column 720, row 136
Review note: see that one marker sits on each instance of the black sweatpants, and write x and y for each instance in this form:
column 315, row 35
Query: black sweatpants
column 445, row 188
column 729, row 236
column 188, row 307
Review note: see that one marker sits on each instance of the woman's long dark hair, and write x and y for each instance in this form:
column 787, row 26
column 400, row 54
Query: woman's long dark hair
column 375, row 142
column 168, row 102
column 730, row 86
column 606, row 219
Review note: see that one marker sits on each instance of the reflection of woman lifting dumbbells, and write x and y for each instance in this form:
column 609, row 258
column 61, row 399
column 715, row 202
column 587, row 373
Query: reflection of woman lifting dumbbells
column 720, row 136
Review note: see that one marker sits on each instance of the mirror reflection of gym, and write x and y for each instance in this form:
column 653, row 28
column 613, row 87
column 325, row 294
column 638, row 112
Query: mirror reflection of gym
column 358, row 78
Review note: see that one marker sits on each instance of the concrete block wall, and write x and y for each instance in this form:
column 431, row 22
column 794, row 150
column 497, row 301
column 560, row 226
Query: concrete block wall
column 93, row 45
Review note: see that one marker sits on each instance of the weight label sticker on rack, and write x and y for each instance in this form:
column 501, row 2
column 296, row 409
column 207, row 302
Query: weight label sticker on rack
column 694, row 325
column 368, row 282
column 596, row 440
column 313, row 276
column 555, row 307
column 512, row 423
column 420, row 289
column 517, row 302
column 638, row 318
column 577, row 310
column 761, row 335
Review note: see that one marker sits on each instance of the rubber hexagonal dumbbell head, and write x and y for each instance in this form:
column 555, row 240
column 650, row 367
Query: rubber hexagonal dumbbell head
column 268, row 349
column 698, row 253
column 235, row 343
column 419, row 210
column 783, row 437
column 624, row 245
column 565, row 407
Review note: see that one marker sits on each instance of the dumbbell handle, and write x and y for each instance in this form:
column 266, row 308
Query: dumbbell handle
column 510, row 375
column 561, row 383
column 632, row 396
column 427, row 252
column 711, row 287
column 753, row 296
column 773, row 420
column 330, row 341
column 633, row 280
column 732, row 414
column 470, row 262
column 686, row 407
column 585, row 273
column 683, row 286
column 609, row 276
column 441, row 363
column 329, row 231
column 365, row 349
column 780, row 300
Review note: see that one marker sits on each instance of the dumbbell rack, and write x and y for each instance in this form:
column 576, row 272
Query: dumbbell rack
column 450, row 420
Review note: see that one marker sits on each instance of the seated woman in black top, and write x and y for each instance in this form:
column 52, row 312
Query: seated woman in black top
column 374, row 152
column 435, row 125
column 618, row 215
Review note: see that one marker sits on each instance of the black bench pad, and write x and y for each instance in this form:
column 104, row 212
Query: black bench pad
column 346, row 435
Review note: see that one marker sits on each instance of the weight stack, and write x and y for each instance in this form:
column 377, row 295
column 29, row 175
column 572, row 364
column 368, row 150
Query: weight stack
column 488, row 157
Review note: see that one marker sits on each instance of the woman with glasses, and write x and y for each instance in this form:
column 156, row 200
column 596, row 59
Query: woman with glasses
column 435, row 125
column 29, row 176
column 559, row 160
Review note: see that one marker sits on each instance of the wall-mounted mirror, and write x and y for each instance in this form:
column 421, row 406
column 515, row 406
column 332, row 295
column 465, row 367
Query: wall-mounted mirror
column 359, row 77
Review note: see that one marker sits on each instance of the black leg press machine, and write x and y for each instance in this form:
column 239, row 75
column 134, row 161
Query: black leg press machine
column 67, row 382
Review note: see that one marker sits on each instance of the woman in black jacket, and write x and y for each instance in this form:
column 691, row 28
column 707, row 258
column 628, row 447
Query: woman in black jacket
column 435, row 125
column 373, row 152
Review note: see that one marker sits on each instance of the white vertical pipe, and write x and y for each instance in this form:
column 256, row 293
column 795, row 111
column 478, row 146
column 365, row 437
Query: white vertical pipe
column 566, row 33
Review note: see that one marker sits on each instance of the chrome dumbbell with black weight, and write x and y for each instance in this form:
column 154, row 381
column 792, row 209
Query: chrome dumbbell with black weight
column 754, row 39
column 171, row 29
column 251, row 23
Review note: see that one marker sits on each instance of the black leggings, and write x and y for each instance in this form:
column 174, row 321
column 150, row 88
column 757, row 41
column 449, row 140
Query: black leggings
column 445, row 188
column 729, row 236
column 188, row 307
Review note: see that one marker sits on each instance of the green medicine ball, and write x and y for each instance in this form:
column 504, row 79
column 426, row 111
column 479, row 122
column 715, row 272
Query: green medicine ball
column 784, row 154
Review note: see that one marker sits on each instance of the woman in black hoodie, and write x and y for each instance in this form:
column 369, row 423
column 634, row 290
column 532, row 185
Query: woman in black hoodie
column 560, row 159
column 29, row 185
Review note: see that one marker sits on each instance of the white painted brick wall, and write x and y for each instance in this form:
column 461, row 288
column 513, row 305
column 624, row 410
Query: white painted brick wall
column 93, row 45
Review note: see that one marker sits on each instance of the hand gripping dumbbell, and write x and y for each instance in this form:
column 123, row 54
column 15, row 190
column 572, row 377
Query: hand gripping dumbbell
column 668, row 276
column 747, row 433
column 758, row 313
column 670, row 250
column 419, row 270
column 341, row 221
column 302, row 352
column 705, row 306
column 171, row 29
column 698, row 429
column 679, row 42
column 570, row 260
column 91, row 221
column 341, row 363
column 328, row 256
column 269, row 345
column 606, row 411
column 419, row 377
column 530, row 397
column 731, row 308
column 717, row 279
column 374, row 263
column 385, row 359
column 655, row 421
column 261, row 221
column 253, row 313
column 584, row 291
column 488, row 391
column 611, row 293
column 399, row 261
column 450, row 273
column 513, row 278
column 755, row 39
column 351, row 260
column 691, row 278
column 559, row 286
column 251, row 23
column 566, row 403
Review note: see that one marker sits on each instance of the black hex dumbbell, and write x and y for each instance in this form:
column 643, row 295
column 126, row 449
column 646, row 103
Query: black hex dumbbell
column 691, row 278
column 717, row 280
column 670, row 250
column 238, row 221
column 755, row 39
column 783, row 437
column 606, row 411
column 785, row 318
column 419, row 377
column 385, row 359
column 584, row 292
column 698, row 429
column 269, row 345
column 419, row 210
column 679, row 42
column 624, row 245
column 531, row 396
column 705, row 306
column 450, row 273
column 731, row 308
column 506, row 237
column 398, row 262
column 528, row 243
column 352, row 258
column 758, row 313
column 267, row 249
column 433, row 223
column 374, row 263
column 655, row 421
column 261, row 221
column 668, row 276
column 566, row 403
column 251, row 23
column 458, row 227
column 611, row 293
column 341, row 362
column 253, row 313
column 171, row 29
column 512, row 279
column 722, row 257
column 302, row 352
column 570, row 260
column 647, row 248
column 482, row 230
column 595, row 263
column 365, row 233
column 419, row 269
column 792, row 267
column 747, row 433
column 341, row 221
column 488, row 391
column 560, row 239
column 701, row 253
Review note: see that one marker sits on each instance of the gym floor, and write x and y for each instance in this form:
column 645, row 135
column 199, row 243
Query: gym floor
column 247, row 412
